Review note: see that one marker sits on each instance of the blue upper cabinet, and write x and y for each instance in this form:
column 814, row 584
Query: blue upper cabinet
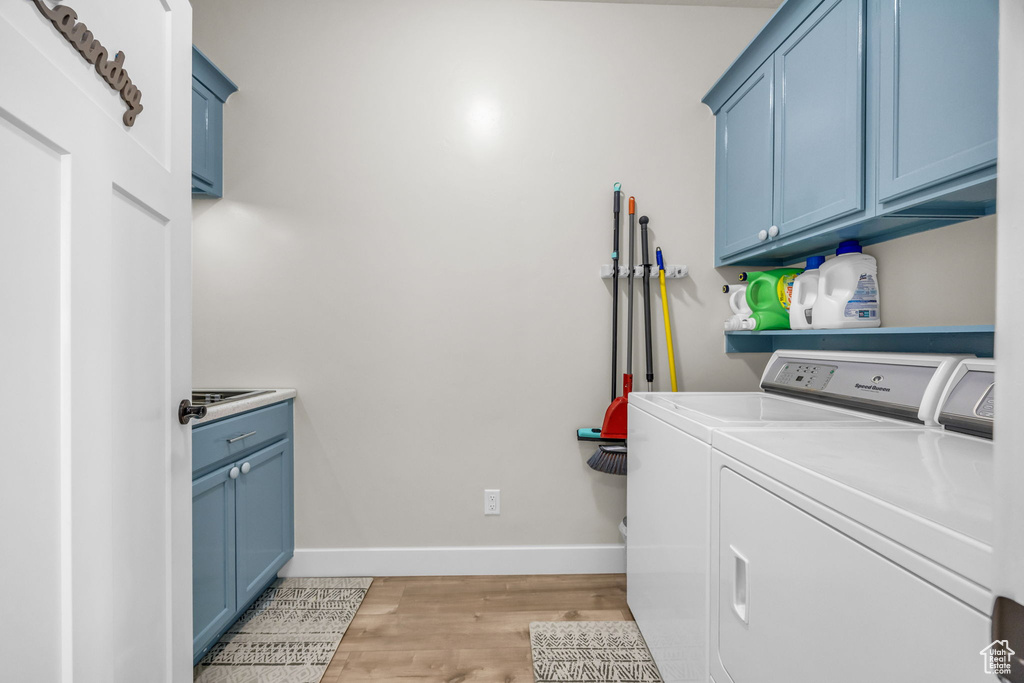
column 819, row 119
column 882, row 122
column 210, row 90
column 744, row 164
column 937, row 88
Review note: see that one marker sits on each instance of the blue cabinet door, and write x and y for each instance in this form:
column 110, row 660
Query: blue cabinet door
column 213, row 557
column 819, row 118
column 265, row 517
column 207, row 146
column 744, row 164
column 937, row 92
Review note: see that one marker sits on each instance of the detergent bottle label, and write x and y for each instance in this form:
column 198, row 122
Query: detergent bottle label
column 785, row 290
column 864, row 304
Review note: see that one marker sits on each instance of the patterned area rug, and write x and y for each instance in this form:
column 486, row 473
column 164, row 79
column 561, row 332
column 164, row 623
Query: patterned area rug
column 289, row 635
column 590, row 652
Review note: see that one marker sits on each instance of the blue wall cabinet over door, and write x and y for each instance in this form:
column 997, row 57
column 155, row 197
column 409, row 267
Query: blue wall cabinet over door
column 213, row 553
column 744, row 165
column 938, row 86
column 264, row 502
column 819, row 119
column 210, row 90
column 207, row 150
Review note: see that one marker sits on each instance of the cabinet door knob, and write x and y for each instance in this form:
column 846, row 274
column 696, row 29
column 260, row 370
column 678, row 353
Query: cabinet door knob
column 246, row 467
column 233, row 473
column 762, row 235
column 773, row 231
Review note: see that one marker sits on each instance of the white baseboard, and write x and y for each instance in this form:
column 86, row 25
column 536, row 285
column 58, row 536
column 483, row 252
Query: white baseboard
column 458, row 561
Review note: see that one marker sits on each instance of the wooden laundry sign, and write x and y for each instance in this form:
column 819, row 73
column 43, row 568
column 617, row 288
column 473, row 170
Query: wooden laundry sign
column 113, row 72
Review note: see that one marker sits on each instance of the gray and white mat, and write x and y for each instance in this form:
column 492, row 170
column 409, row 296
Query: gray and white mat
column 590, row 652
column 289, row 635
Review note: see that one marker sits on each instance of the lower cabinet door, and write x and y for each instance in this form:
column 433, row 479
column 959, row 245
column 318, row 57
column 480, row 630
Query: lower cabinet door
column 265, row 517
column 800, row 602
column 213, row 557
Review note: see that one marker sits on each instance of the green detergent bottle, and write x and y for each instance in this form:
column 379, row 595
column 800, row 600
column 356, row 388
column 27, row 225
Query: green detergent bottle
column 768, row 295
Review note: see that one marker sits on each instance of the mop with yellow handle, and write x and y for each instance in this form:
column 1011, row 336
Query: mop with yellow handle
column 664, row 310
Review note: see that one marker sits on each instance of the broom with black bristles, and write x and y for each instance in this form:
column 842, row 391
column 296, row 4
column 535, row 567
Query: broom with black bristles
column 609, row 459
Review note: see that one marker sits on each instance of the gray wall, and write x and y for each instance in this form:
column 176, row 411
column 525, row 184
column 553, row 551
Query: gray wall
column 417, row 201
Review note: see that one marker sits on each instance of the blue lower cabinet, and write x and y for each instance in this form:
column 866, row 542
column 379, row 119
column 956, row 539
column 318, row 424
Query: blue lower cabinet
column 242, row 515
column 213, row 557
column 264, row 502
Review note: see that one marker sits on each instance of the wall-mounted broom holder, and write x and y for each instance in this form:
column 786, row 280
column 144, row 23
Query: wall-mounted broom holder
column 638, row 272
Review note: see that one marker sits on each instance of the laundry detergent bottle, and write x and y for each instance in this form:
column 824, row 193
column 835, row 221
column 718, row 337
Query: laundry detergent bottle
column 769, row 293
column 847, row 290
column 740, row 318
column 805, row 291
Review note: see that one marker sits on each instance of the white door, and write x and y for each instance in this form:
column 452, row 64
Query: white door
column 1009, row 428
column 95, row 349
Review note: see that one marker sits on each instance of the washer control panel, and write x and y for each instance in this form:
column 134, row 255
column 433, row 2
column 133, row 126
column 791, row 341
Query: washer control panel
column 987, row 405
column 813, row 376
column 969, row 403
column 904, row 386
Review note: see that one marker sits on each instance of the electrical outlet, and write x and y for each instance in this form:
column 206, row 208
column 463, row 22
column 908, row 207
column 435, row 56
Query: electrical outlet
column 492, row 501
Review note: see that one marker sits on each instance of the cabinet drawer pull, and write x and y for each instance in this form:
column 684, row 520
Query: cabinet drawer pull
column 740, row 587
column 239, row 438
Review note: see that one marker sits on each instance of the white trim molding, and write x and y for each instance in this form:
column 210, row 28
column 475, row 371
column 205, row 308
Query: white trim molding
column 458, row 561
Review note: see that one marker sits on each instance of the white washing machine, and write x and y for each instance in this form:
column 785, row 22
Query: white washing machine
column 854, row 556
column 669, row 472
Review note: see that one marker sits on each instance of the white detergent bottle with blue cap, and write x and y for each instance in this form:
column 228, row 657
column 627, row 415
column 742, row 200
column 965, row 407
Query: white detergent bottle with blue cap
column 805, row 291
column 847, row 290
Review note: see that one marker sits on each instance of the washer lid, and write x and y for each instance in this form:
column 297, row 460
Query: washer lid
column 699, row 414
column 726, row 410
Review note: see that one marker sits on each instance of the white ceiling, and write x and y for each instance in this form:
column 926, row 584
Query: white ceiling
column 766, row 4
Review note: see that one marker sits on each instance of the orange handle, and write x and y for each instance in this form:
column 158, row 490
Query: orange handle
column 632, row 204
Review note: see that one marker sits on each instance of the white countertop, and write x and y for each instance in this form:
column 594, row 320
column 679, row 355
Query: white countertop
column 228, row 408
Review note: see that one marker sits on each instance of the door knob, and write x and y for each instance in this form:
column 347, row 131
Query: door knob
column 762, row 235
column 233, row 473
column 246, row 467
column 773, row 231
column 187, row 411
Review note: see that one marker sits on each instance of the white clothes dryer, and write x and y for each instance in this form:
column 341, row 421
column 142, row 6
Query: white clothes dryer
column 853, row 556
column 669, row 472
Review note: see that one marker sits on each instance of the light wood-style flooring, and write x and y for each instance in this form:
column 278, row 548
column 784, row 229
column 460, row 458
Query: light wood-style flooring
column 464, row 629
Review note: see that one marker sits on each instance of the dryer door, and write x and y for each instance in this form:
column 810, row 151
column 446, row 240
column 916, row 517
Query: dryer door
column 799, row 601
